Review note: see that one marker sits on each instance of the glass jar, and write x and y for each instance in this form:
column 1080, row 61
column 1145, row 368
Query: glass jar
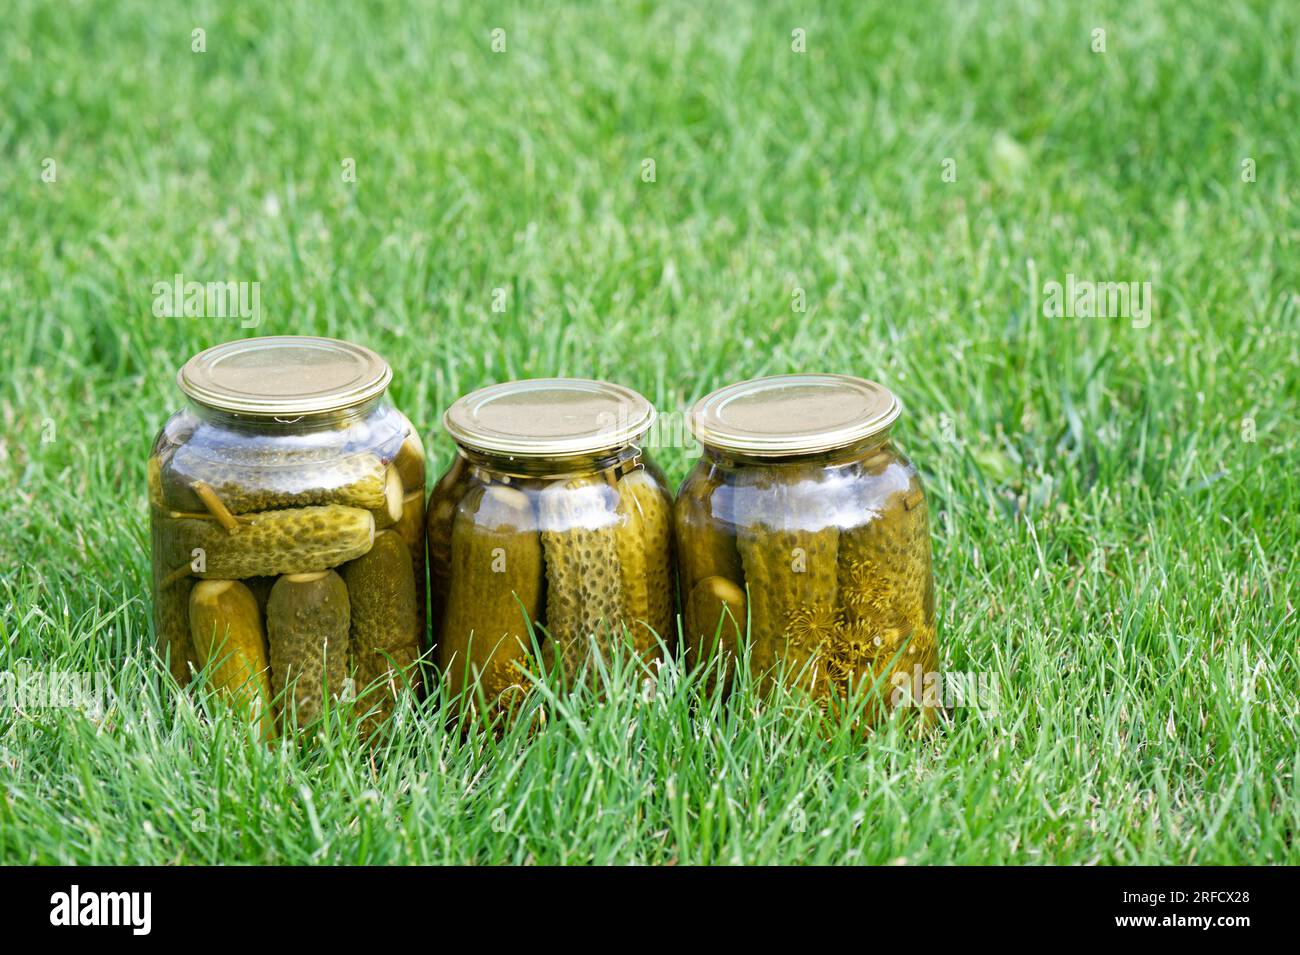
column 286, row 510
column 803, row 520
column 551, row 516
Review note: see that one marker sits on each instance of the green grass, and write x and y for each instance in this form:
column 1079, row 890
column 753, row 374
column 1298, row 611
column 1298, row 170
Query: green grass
column 1108, row 541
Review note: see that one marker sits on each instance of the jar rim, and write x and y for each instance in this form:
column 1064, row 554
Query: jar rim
column 548, row 417
column 284, row 375
column 783, row 415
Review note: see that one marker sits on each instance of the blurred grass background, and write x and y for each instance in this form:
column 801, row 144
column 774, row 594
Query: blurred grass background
column 1115, row 517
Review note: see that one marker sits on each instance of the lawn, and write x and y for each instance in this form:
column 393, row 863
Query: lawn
column 673, row 196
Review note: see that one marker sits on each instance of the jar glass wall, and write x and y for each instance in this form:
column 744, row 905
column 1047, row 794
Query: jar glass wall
column 286, row 523
column 802, row 534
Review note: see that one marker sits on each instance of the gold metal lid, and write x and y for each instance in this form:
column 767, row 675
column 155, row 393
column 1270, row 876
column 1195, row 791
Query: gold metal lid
column 793, row 414
column 284, row 375
column 548, row 417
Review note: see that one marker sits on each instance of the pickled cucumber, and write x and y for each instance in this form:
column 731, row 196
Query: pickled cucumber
column 227, row 633
column 645, row 562
column 171, row 605
column 384, row 631
column 496, row 566
column 410, row 461
column 440, row 513
column 791, row 573
column 171, row 624
column 704, row 522
column 411, row 529
column 153, row 472
column 260, row 478
column 394, row 495
column 716, row 612
column 584, row 595
column 291, row 541
column 308, row 617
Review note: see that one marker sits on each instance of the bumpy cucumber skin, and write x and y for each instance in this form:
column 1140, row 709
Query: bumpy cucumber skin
column 645, row 558
column 791, row 572
column 496, row 565
column 715, row 619
column 384, row 629
column 290, row 541
column 228, row 636
column 584, row 595
column 307, row 624
column 259, row 479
